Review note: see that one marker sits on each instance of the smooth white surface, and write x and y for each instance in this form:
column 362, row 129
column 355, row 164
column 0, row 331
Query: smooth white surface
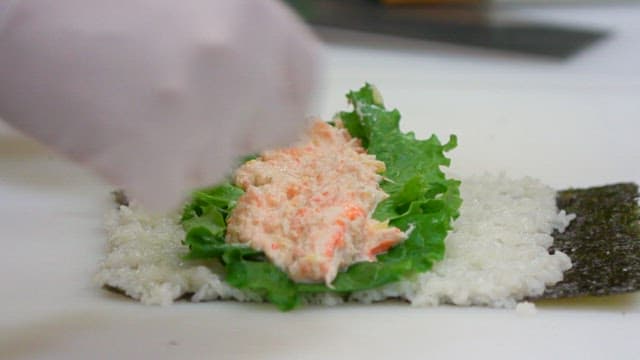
column 572, row 123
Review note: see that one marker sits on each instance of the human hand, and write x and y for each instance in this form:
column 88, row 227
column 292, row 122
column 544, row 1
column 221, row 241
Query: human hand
column 157, row 96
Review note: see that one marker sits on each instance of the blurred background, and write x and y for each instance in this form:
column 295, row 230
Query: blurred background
column 543, row 88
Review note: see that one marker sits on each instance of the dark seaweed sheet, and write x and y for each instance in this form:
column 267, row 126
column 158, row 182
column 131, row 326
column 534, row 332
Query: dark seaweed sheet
column 603, row 241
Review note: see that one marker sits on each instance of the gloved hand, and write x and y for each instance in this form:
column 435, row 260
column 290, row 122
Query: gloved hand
column 158, row 96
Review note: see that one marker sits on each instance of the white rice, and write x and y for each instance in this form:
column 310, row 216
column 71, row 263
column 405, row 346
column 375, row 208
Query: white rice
column 526, row 308
column 496, row 255
column 144, row 259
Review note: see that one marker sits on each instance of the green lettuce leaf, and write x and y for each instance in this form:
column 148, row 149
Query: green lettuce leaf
column 422, row 202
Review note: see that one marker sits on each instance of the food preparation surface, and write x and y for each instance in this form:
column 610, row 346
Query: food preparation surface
column 569, row 124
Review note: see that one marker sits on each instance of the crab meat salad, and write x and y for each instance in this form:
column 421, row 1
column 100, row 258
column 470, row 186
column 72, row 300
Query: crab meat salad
column 356, row 210
column 309, row 207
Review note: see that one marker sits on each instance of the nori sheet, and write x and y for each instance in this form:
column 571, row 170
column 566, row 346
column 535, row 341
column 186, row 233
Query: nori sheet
column 603, row 241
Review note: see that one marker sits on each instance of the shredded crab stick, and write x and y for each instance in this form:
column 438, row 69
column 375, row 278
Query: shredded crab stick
column 308, row 207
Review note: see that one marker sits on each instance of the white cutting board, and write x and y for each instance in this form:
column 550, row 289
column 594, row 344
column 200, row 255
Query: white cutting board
column 573, row 123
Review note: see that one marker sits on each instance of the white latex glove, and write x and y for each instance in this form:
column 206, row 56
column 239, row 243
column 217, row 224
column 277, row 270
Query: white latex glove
column 158, row 96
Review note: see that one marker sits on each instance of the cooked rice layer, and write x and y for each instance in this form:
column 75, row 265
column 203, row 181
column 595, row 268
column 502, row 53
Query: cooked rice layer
column 496, row 255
